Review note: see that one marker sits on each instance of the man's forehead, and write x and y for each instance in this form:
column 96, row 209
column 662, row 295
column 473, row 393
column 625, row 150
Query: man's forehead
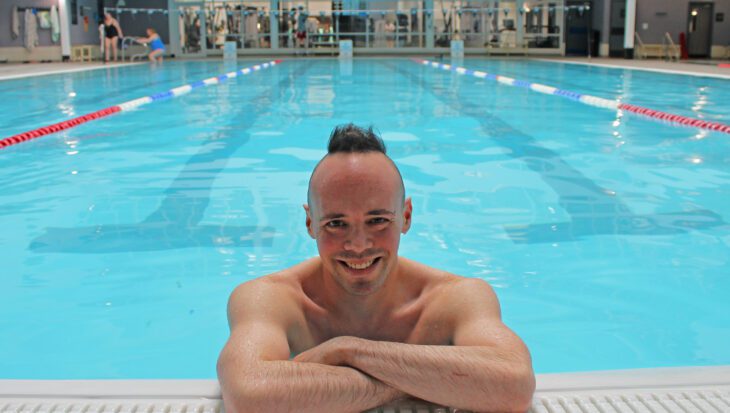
column 337, row 171
column 369, row 165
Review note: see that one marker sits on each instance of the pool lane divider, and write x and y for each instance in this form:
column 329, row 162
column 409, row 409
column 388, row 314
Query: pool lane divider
column 132, row 104
column 585, row 99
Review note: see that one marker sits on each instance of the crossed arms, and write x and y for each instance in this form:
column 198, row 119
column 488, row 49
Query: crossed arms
column 487, row 369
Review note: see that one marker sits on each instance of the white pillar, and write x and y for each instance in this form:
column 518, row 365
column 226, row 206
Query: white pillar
column 428, row 17
column 520, row 22
column 274, row 23
column 603, row 48
column 173, row 22
column 560, row 19
column 65, row 19
column 629, row 29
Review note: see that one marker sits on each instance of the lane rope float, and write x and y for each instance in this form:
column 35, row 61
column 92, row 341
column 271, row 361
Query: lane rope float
column 585, row 99
column 129, row 105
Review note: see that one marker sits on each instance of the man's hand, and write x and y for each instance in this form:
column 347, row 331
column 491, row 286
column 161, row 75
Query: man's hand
column 332, row 352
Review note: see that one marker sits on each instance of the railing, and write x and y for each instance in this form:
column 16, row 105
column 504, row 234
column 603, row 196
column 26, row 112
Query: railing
column 126, row 43
column 641, row 50
column 671, row 50
column 668, row 50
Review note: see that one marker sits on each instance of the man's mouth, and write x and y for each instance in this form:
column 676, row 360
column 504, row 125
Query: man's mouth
column 362, row 265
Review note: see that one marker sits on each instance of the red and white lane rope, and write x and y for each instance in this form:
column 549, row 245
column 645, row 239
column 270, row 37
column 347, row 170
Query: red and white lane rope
column 585, row 99
column 132, row 104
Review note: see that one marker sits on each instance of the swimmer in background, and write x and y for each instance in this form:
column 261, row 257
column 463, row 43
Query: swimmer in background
column 112, row 34
column 156, row 45
column 360, row 326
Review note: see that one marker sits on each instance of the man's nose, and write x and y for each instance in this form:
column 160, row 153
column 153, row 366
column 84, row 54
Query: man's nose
column 358, row 239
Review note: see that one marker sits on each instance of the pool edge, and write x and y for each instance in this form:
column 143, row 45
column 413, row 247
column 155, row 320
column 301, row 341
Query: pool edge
column 556, row 392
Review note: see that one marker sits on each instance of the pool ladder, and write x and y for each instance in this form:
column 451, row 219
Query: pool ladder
column 128, row 41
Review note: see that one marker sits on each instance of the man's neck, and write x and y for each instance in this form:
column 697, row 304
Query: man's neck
column 368, row 309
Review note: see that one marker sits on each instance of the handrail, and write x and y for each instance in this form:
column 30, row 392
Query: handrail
column 642, row 49
column 124, row 39
column 134, row 57
column 638, row 39
column 671, row 52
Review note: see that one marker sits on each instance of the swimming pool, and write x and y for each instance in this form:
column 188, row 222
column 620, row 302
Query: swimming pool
column 606, row 237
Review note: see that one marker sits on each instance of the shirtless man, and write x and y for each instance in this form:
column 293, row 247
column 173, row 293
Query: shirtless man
column 359, row 326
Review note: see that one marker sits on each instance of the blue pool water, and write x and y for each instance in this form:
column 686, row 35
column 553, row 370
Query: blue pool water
column 605, row 236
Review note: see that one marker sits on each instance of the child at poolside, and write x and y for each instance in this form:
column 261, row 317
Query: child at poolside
column 156, row 45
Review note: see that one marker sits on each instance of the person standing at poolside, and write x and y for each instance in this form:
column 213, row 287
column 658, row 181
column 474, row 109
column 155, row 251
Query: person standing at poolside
column 358, row 326
column 301, row 27
column 112, row 34
column 157, row 48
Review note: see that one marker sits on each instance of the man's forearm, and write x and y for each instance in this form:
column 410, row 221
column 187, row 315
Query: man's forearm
column 285, row 386
column 472, row 378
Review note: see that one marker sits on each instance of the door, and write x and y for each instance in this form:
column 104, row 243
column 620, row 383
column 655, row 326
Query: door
column 617, row 24
column 577, row 29
column 699, row 30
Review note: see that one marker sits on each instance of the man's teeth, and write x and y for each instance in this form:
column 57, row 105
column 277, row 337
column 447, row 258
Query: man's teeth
column 360, row 266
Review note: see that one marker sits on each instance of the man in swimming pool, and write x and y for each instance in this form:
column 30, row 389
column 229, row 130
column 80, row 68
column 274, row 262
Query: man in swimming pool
column 364, row 326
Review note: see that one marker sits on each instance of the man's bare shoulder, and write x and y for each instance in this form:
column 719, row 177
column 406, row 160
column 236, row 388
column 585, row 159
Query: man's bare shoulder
column 451, row 292
column 278, row 293
column 437, row 278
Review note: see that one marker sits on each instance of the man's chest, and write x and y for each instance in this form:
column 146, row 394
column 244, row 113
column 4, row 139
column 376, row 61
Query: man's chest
column 417, row 327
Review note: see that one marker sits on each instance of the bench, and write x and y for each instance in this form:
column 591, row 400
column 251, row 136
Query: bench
column 81, row 53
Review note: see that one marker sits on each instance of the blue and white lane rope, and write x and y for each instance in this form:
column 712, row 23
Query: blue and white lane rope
column 132, row 104
column 585, row 99
column 181, row 90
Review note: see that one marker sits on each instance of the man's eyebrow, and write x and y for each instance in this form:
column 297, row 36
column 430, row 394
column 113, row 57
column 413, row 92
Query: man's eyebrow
column 381, row 212
column 333, row 215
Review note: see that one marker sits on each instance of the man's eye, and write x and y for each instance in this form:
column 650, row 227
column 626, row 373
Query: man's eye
column 379, row 220
column 335, row 224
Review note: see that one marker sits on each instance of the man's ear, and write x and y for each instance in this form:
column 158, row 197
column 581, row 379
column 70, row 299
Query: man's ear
column 310, row 230
column 407, row 213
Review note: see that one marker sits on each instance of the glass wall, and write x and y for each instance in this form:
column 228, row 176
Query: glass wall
column 543, row 23
column 246, row 23
column 317, row 26
column 190, row 29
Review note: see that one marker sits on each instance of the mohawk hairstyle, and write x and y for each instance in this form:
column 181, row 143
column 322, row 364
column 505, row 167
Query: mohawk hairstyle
column 351, row 138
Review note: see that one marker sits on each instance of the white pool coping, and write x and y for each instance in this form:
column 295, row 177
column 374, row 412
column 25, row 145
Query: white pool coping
column 683, row 389
column 673, row 68
column 11, row 71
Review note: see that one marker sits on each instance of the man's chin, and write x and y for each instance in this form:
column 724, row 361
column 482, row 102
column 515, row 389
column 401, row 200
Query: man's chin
column 361, row 284
column 362, row 288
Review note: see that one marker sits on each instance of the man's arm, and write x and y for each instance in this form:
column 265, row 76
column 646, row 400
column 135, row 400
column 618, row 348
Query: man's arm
column 487, row 369
column 256, row 375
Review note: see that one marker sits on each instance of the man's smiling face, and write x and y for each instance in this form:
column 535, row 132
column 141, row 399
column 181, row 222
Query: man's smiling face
column 357, row 213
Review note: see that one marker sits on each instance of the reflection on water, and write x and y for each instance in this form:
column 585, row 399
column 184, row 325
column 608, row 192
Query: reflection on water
column 591, row 210
column 175, row 224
